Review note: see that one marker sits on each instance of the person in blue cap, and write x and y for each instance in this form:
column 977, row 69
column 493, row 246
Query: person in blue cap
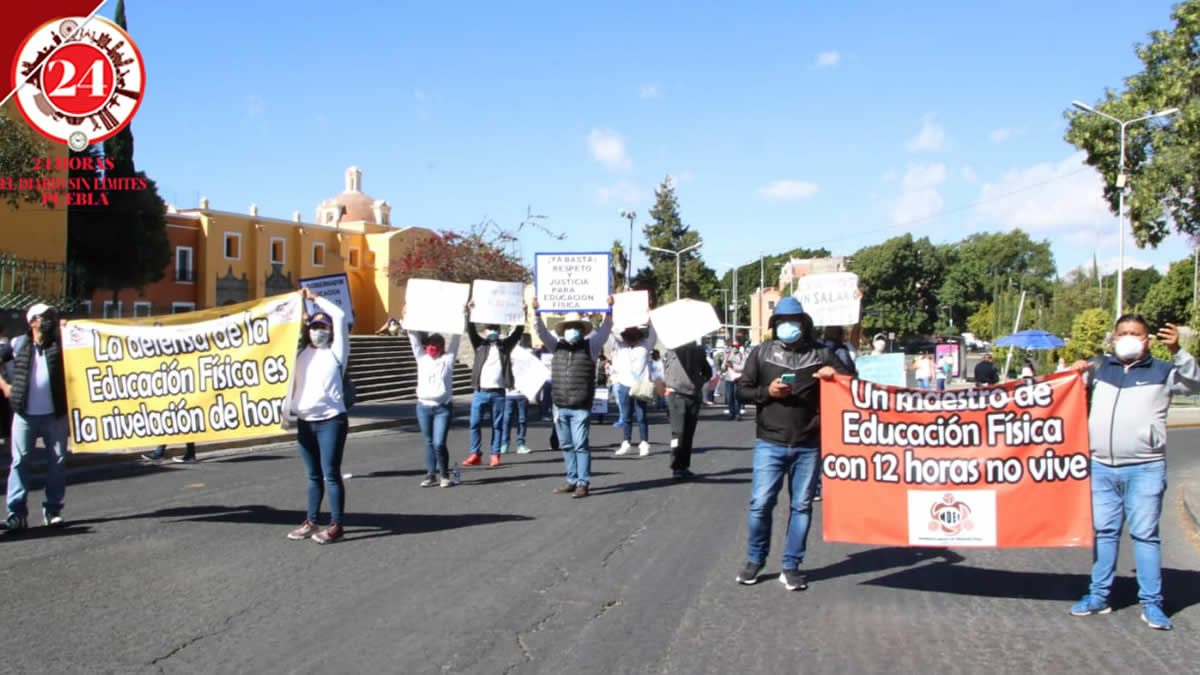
column 781, row 379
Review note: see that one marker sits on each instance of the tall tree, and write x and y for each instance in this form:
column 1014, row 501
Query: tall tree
column 123, row 244
column 748, row 275
column 619, row 263
column 1160, row 156
column 1170, row 300
column 1137, row 284
column 983, row 264
column 667, row 231
column 899, row 280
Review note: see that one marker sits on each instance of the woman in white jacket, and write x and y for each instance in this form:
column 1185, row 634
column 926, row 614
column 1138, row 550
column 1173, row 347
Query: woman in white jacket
column 630, row 365
column 316, row 399
column 435, row 400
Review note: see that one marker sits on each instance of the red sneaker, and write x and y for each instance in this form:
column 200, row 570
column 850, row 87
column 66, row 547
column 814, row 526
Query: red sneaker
column 472, row 460
column 495, row 460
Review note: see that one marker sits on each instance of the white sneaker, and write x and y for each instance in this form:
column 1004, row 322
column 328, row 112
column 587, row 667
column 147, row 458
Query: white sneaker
column 643, row 448
column 624, row 448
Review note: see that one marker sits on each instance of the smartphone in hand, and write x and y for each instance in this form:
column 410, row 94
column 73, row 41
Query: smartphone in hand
column 788, row 378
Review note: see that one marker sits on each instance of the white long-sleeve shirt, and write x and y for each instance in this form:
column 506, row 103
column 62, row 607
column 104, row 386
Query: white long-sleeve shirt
column 435, row 376
column 595, row 341
column 317, row 389
column 631, row 363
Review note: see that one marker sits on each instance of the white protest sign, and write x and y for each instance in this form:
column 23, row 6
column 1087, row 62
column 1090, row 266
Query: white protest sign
column 501, row 302
column 600, row 402
column 630, row 309
column 572, row 282
column 435, row 306
column 830, row 299
column 332, row 287
column 684, row 321
column 529, row 374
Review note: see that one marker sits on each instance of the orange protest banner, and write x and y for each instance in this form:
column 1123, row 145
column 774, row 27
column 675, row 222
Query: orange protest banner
column 1004, row 466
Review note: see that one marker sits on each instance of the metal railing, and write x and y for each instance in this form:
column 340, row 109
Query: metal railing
column 24, row 282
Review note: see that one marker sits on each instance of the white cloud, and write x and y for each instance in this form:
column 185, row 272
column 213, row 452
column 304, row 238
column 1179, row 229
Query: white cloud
column 787, row 190
column 1110, row 265
column 920, row 198
column 623, row 193
column 1062, row 195
column 648, row 91
column 888, row 176
column 608, row 148
column 968, row 175
column 1005, row 134
column 828, row 59
column 931, row 137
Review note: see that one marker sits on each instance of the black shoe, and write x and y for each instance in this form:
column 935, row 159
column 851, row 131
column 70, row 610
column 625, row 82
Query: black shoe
column 749, row 573
column 430, row 480
column 793, row 580
column 14, row 523
column 682, row 474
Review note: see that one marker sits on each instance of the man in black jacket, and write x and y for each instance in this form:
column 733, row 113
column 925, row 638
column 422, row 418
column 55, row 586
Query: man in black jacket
column 685, row 373
column 38, row 393
column 781, row 379
column 985, row 372
column 491, row 377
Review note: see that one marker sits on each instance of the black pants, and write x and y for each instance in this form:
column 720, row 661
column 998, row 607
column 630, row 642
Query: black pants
column 684, row 412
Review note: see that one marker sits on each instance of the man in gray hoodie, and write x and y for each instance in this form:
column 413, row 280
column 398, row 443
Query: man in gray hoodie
column 685, row 372
column 1129, row 393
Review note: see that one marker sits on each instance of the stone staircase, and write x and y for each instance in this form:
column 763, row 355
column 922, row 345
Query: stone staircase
column 383, row 369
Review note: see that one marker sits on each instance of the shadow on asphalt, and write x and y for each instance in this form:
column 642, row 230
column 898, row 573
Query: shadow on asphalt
column 358, row 525
column 1181, row 588
column 242, row 459
column 502, row 478
column 40, row 532
column 664, row 482
column 879, row 559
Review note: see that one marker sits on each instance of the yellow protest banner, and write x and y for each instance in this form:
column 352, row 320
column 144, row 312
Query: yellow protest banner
column 213, row 375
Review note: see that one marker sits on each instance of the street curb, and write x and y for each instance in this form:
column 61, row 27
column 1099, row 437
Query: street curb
column 1183, row 425
column 1191, row 506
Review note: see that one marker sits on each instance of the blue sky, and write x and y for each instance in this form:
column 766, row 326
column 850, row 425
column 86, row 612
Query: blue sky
column 784, row 124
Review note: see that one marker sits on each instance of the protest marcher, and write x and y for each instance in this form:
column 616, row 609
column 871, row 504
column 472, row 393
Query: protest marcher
column 656, row 377
column 603, row 370
column 491, row 378
column 923, row 370
column 985, row 372
column 390, row 327
column 317, row 401
column 36, row 387
column 435, row 400
column 941, row 371
column 516, row 412
column 835, row 339
column 1129, row 393
column 710, row 387
column 631, row 368
column 188, row 456
column 574, row 378
column 780, row 379
column 1027, row 369
column 1062, row 365
column 686, row 371
column 879, row 344
column 734, row 363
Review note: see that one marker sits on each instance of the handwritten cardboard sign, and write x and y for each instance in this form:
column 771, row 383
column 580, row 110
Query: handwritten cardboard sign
column 501, row 302
column 684, row 321
column 630, row 309
column 572, row 282
column 830, row 299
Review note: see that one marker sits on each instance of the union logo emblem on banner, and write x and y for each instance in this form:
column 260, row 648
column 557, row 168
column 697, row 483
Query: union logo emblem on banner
column 80, row 80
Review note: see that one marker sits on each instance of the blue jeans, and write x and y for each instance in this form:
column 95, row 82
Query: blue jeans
column 941, row 384
column 731, row 400
column 922, row 383
column 773, row 463
column 321, row 447
column 1134, row 494
column 629, row 406
column 573, row 426
column 515, row 409
column 25, row 431
column 492, row 402
column 434, row 421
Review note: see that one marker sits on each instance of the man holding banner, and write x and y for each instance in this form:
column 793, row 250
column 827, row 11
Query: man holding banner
column 1127, row 425
column 780, row 378
column 491, row 378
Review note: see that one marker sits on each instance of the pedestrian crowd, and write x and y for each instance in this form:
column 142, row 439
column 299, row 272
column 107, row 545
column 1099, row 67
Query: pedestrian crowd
column 780, row 378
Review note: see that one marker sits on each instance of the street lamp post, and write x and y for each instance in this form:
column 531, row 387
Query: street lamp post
column 1122, row 185
column 736, row 307
column 629, row 267
column 761, row 281
column 677, row 255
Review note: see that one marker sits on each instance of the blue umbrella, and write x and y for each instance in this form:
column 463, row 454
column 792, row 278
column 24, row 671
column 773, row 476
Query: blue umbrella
column 1030, row 339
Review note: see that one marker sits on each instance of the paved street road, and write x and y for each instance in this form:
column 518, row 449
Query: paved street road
column 186, row 569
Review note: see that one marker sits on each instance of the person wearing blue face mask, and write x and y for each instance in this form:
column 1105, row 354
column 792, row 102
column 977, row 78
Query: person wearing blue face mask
column 575, row 346
column 491, row 378
column 781, row 379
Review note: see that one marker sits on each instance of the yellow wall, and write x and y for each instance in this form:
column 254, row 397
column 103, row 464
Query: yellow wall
column 34, row 231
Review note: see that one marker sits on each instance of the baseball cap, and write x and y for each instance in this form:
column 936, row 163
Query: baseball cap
column 38, row 309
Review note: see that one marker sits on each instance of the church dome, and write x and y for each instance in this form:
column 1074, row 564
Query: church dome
column 355, row 205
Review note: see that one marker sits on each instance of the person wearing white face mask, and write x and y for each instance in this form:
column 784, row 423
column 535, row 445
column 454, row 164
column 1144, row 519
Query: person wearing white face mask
column 1130, row 392
column 572, row 387
column 316, row 398
column 491, row 378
